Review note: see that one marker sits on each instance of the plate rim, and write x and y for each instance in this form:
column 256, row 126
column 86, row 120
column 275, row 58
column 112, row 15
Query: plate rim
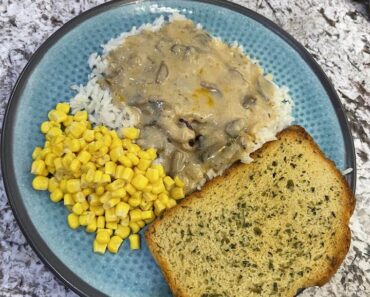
column 69, row 278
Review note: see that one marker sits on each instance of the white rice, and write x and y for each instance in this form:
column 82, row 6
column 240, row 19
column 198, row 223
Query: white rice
column 98, row 102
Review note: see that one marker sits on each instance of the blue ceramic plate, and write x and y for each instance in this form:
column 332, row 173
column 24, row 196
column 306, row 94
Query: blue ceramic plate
column 62, row 61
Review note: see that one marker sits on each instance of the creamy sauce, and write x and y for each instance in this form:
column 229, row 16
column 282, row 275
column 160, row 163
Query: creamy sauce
column 200, row 101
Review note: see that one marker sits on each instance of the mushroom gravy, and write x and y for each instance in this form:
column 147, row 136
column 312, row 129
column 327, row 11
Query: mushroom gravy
column 200, row 101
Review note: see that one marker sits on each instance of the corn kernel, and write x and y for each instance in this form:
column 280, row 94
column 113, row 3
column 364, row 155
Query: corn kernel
column 90, row 174
column 79, row 197
column 134, row 202
column 168, row 182
column 76, row 129
column 56, row 195
column 108, row 231
column 163, row 197
column 98, row 176
column 49, row 159
column 134, row 227
column 111, row 225
column 116, row 142
column 144, row 155
column 107, row 139
column 120, row 193
column 44, row 152
column 131, row 133
column 141, row 223
column 73, row 186
column 159, row 207
column 106, row 178
column 77, row 208
column 125, row 221
column 36, row 152
column 82, row 219
column 40, row 183
column 53, row 184
column 127, row 174
column 158, row 187
column 57, row 116
column 99, row 248
column 84, row 157
column 53, row 132
column 177, row 193
column 133, row 158
column 63, row 185
column 80, row 116
column 110, row 215
column 99, row 190
column 114, row 244
column 102, row 237
column 58, row 163
column 119, row 171
column 85, row 205
column 89, row 135
column 144, row 164
column 67, row 159
column 63, row 107
column 149, row 196
column 134, row 241
column 100, row 222
column 45, row 172
column 87, row 191
column 73, row 221
column 45, row 127
column 130, row 189
column 68, row 121
column 139, row 182
column 122, row 231
column 146, row 205
column 170, row 203
column 152, row 153
column 115, row 153
column 98, row 210
column 110, row 168
column 160, row 169
column 75, row 165
column 58, row 149
column 74, row 145
column 91, row 227
column 105, row 197
column 152, row 174
column 94, row 200
column 111, row 203
column 68, row 200
column 133, row 148
column 147, row 214
column 178, row 182
column 37, row 167
column 125, row 161
column 122, row 209
column 135, row 215
column 117, row 184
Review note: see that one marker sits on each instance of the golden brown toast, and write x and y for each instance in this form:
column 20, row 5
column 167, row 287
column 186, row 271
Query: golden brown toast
column 268, row 228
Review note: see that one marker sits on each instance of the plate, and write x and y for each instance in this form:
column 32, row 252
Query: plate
column 62, row 61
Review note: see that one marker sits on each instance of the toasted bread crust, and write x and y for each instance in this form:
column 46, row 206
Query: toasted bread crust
column 343, row 238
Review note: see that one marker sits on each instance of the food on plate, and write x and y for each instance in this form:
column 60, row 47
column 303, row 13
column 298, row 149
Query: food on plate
column 109, row 183
column 268, row 228
column 202, row 104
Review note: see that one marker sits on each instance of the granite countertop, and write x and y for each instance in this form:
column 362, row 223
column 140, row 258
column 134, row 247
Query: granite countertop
column 335, row 32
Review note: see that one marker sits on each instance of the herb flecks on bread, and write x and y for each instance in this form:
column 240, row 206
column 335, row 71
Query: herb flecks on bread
column 268, row 228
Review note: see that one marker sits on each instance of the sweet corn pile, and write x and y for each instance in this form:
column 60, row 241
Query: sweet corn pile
column 107, row 182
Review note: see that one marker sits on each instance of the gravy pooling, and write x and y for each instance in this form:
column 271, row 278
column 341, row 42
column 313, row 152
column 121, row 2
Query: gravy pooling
column 200, row 101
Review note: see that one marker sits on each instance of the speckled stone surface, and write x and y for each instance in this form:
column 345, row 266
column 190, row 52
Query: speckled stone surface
column 336, row 33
